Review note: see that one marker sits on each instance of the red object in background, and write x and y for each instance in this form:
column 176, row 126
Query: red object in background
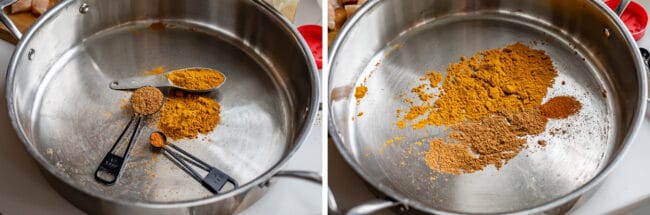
column 313, row 35
column 635, row 17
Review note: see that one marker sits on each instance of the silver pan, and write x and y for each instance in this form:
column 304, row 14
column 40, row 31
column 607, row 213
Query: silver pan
column 64, row 112
column 392, row 43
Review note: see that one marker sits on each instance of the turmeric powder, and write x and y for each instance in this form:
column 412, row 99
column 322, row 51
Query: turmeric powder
column 360, row 92
column 514, row 78
column 186, row 116
column 154, row 71
column 196, row 79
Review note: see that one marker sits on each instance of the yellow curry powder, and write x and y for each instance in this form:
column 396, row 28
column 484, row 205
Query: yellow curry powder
column 360, row 92
column 513, row 78
column 154, row 71
column 196, row 79
column 185, row 116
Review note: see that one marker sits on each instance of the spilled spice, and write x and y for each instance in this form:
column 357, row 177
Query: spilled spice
column 154, row 71
column 146, row 100
column 196, row 79
column 186, row 116
column 490, row 140
column 360, row 92
column 513, row 78
column 560, row 107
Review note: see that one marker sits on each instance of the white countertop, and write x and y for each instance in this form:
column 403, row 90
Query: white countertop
column 23, row 190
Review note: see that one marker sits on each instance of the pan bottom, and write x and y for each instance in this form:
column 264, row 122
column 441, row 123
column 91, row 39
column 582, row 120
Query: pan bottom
column 577, row 148
column 77, row 117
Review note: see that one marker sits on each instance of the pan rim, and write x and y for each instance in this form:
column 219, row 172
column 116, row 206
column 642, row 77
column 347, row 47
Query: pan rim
column 628, row 138
column 300, row 134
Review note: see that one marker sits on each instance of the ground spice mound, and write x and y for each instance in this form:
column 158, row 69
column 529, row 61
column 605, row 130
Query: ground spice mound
column 146, row 100
column 360, row 92
column 490, row 140
column 196, row 79
column 513, row 78
column 186, row 116
column 560, row 107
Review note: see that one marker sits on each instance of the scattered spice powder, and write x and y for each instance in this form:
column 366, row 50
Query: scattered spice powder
column 154, row 71
column 514, row 78
column 490, row 140
column 156, row 139
column 541, row 142
column 560, row 107
column 146, row 100
column 196, row 79
column 188, row 115
column 360, row 92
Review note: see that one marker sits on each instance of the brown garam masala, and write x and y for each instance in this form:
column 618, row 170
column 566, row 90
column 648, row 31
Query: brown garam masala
column 146, row 100
column 490, row 140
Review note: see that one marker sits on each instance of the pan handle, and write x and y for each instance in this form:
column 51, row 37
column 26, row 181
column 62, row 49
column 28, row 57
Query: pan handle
column 7, row 21
column 368, row 207
column 372, row 206
column 304, row 175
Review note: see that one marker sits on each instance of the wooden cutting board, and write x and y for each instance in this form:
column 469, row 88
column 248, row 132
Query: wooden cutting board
column 22, row 20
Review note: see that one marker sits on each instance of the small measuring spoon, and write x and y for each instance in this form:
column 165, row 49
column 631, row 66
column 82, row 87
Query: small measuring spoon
column 160, row 80
column 110, row 169
column 214, row 181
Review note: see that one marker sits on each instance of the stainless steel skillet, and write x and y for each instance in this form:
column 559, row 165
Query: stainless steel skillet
column 594, row 55
column 66, row 115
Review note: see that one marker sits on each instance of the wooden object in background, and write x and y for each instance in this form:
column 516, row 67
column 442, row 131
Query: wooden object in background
column 22, row 20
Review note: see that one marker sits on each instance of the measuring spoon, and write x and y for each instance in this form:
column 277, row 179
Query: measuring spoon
column 160, row 80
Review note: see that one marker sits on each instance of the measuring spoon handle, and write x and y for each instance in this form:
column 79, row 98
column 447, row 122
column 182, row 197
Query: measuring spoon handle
column 110, row 168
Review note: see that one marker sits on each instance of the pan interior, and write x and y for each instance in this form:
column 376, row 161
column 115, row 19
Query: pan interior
column 578, row 148
column 77, row 117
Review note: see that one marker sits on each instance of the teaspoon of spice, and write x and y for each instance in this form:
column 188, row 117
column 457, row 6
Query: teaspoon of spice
column 193, row 79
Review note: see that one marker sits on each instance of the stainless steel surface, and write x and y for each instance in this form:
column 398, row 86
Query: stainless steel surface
column 55, row 96
column 6, row 20
column 372, row 206
column 305, row 175
column 604, row 72
column 159, row 80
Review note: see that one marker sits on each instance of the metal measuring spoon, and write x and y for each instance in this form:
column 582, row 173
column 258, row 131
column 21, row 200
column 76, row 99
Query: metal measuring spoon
column 214, row 181
column 159, row 80
column 110, row 169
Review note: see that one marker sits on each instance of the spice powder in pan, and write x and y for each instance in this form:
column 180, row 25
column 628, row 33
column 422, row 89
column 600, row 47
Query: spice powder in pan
column 513, row 78
column 560, row 107
column 185, row 116
column 490, row 140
